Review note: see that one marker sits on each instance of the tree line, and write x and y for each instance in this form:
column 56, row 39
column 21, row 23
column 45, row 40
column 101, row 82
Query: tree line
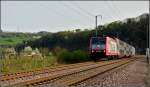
column 131, row 30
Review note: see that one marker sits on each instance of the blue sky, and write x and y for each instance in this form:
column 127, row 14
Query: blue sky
column 54, row 16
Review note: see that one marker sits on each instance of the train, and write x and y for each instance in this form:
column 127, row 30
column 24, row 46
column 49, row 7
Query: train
column 109, row 48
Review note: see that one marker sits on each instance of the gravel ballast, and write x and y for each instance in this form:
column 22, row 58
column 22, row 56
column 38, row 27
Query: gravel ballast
column 133, row 75
column 130, row 75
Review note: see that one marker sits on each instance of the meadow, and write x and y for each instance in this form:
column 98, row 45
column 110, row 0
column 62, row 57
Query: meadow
column 11, row 40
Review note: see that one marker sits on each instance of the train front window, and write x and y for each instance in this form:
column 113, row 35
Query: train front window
column 98, row 43
column 95, row 41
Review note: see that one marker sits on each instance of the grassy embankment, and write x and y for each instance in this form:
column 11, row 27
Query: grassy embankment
column 31, row 63
column 25, row 64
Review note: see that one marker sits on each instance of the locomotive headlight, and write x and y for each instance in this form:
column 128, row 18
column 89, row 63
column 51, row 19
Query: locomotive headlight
column 104, row 50
column 92, row 51
column 98, row 46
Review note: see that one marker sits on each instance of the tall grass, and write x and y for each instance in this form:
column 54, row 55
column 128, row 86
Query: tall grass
column 25, row 63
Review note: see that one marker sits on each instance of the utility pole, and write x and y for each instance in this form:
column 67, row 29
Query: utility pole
column 147, row 36
column 147, row 47
column 96, row 23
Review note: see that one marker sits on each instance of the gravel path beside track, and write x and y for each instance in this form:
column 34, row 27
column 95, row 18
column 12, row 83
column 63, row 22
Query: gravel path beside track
column 133, row 75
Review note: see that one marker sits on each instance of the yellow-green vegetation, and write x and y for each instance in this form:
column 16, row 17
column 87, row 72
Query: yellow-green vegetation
column 25, row 63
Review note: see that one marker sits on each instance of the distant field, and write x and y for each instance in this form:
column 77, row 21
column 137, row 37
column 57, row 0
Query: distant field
column 15, row 38
column 11, row 40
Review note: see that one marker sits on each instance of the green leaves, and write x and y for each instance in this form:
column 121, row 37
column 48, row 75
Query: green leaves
column 66, row 56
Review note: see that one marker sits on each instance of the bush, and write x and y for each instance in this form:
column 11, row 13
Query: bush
column 66, row 56
column 9, row 40
column 80, row 56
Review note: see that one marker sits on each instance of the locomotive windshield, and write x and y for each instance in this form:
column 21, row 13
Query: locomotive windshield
column 98, row 42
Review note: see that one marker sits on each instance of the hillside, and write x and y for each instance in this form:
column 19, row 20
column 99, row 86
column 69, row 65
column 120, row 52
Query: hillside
column 14, row 38
column 131, row 30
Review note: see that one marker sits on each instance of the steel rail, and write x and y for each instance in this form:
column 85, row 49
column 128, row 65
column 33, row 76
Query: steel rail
column 40, row 71
column 78, row 77
column 61, row 75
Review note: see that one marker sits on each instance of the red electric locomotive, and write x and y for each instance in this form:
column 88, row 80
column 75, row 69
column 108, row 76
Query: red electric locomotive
column 107, row 47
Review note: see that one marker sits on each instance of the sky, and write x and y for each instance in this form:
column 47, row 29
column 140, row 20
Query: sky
column 54, row 16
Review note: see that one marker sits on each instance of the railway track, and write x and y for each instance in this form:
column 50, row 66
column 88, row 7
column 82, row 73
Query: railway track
column 12, row 76
column 75, row 78
column 66, row 75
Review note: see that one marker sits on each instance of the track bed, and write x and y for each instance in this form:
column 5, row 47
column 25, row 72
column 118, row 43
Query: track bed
column 68, row 75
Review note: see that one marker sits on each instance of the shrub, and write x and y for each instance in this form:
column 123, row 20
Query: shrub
column 9, row 40
column 66, row 56
column 80, row 56
column 63, row 56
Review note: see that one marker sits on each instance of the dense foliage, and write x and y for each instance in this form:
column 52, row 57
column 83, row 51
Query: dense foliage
column 131, row 30
column 65, row 56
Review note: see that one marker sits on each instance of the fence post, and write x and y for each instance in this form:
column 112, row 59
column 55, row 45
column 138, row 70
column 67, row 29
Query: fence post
column 148, row 59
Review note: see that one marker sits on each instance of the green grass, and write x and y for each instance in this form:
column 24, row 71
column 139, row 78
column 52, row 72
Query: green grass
column 15, row 38
column 25, row 64
column 11, row 40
